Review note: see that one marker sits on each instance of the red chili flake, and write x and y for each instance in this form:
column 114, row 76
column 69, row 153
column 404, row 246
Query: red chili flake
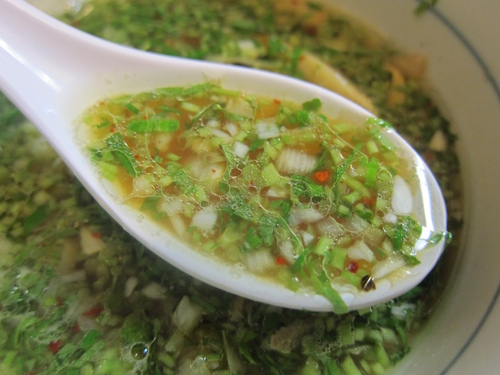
column 302, row 57
column 96, row 234
column 76, row 328
column 112, row 130
column 280, row 261
column 55, row 346
column 353, row 266
column 369, row 201
column 311, row 30
column 429, row 156
column 321, row 176
column 214, row 170
column 277, row 101
column 93, row 312
column 136, row 157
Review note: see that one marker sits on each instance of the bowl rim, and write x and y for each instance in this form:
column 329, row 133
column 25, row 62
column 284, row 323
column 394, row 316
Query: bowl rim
column 495, row 86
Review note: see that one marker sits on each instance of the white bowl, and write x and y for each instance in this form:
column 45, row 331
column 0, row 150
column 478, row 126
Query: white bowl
column 460, row 40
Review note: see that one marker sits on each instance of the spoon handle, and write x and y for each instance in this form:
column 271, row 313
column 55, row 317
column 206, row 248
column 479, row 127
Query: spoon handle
column 33, row 47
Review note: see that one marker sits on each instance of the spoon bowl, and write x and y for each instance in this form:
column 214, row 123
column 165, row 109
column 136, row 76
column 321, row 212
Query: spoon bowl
column 54, row 72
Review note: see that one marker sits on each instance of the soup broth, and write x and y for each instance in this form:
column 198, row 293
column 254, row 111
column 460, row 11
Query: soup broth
column 79, row 296
column 278, row 187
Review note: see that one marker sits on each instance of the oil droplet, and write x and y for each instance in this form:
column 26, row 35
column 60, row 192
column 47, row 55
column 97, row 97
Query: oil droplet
column 139, row 351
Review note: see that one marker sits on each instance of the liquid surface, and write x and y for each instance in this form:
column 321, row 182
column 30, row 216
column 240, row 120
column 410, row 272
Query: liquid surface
column 277, row 187
column 78, row 295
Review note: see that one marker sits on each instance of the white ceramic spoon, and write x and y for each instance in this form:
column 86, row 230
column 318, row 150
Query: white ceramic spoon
column 53, row 72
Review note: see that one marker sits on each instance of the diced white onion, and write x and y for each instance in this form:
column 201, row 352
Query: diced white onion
column 214, row 171
column 89, row 242
column 69, row 255
column 287, row 251
column 258, row 261
column 373, row 237
column 171, row 205
column 130, row 286
column 5, row 246
column 401, row 311
column 390, row 218
column 248, row 48
column 154, row 291
column 240, row 107
column 304, row 215
column 143, row 186
column 178, row 225
column 202, row 146
column 240, row 150
column 162, row 141
column 213, row 123
column 205, row 220
column 293, row 161
column 175, row 342
column 204, row 169
column 330, row 226
column 221, row 134
column 356, row 224
column 360, row 251
column 267, row 129
column 307, row 237
column 277, row 192
column 438, row 141
column 344, row 288
column 232, row 128
column 73, row 277
column 187, row 315
column 402, row 198
column 386, row 266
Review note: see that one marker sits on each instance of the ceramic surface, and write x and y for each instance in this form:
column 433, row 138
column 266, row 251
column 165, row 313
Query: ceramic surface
column 460, row 39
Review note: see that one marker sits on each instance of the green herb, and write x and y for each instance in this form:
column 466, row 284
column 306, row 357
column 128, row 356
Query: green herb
column 257, row 144
column 181, row 179
column 154, row 124
column 122, row 153
column 294, row 61
column 252, row 240
column 265, row 229
column 132, row 108
column 342, row 168
column 407, row 230
column 305, row 191
column 189, row 91
column 208, row 111
column 312, row 105
column 375, row 124
column 150, row 203
column 284, row 206
column 371, row 173
column 236, row 205
column 90, row 339
column 424, row 6
column 37, row 217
